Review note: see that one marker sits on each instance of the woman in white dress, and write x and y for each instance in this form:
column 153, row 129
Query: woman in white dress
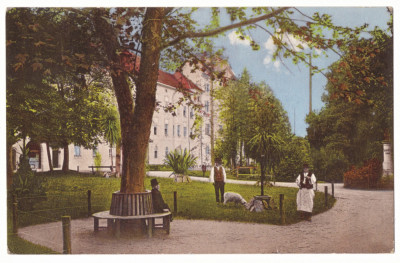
column 305, row 195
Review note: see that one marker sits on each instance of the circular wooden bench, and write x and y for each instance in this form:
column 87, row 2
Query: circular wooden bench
column 114, row 221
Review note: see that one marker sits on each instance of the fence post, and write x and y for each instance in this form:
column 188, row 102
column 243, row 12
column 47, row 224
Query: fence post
column 15, row 217
column 66, row 226
column 175, row 203
column 333, row 190
column 89, row 202
column 281, row 198
column 326, row 196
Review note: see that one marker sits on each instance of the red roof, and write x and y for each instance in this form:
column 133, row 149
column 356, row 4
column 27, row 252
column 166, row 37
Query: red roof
column 176, row 80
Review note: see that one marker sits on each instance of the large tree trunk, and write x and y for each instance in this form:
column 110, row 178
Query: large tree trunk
column 145, row 101
column 49, row 157
column 65, row 166
column 135, row 124
column 118, row 159
column 10, row 170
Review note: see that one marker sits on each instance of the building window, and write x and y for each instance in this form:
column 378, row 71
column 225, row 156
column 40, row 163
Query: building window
column 155, row 130
column 184, row 111
column 191, row 113
column 207, row 87
column 77, row 150
column 178, row 131
column 95, row 150
column 155, row 152
column 166, row 152
column 207, row 106
column 166, row 129
column 207, row 150
column 184, row 132
column 207, row 129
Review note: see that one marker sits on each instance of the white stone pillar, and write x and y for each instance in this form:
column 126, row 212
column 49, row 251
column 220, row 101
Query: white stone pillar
column 387, row 164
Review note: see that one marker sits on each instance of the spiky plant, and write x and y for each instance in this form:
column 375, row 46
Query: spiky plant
column 180, row 161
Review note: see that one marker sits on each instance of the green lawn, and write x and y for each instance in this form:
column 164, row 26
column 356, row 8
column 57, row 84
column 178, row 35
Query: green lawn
column 67, row 195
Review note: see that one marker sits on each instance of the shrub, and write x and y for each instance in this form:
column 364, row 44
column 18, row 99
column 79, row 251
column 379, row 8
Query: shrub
column 180, row 161
column 27, row 186
column 365, row 177
column 97, row 160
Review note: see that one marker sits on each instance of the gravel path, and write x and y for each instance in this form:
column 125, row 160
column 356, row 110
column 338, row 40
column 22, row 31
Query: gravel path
column 360, row 222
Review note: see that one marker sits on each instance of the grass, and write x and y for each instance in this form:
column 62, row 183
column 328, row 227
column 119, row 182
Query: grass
column 67, row 195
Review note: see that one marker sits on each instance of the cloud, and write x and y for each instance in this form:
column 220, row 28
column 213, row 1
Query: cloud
column 277, row 64
column 290, row 41
column 235, row 40
column 267, row 60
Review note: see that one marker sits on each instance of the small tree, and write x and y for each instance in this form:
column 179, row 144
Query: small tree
column 112, row 130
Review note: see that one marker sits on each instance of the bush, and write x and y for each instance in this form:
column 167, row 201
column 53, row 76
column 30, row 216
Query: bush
column 27, row 186
column 180, row 161
column 365, row 177
column 97, row 160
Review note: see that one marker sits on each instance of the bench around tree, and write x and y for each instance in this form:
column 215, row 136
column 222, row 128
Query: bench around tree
column 114, row 221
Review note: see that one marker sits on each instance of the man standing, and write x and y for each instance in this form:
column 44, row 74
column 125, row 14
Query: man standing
column 159, row 206
column 305, row 195
column 218, row 178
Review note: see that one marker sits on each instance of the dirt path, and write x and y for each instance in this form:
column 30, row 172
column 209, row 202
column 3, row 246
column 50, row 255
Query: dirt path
column 360, row 222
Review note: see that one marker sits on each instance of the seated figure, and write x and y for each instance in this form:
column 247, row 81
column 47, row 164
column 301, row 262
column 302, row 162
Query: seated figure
column 159, row 206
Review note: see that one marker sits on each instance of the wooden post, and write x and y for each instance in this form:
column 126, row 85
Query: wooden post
column 326, row 196
column 175, row 203
column 15, row 217
column 333, row 190
column 77, row 168
column 66, row 226
column 316, row 186
column 281, row 198
column 89, row 202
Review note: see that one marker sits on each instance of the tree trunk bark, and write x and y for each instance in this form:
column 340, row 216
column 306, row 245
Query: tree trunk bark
column 49, row 157
column 65, row 166
column 145, row 101
column 118, row 159
column 10, row 170
column 135, row 123
column 212, row 122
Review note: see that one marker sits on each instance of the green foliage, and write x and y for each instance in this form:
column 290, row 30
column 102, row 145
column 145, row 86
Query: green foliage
column 158, row 167
column 111, row 126
column 296, row 152
column 97, row 160
column 358, row 114
column 180, row 161
column 28, row 187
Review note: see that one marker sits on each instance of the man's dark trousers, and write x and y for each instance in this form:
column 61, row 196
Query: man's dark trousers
column 219, row 187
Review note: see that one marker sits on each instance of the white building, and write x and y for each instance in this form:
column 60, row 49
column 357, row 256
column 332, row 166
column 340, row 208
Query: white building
column 168, row 131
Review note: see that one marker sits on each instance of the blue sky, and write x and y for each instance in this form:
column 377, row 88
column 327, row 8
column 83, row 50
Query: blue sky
column 291, row 85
